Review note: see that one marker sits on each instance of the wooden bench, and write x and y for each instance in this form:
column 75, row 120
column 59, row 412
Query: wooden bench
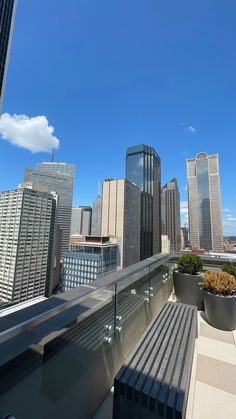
column 154, row 382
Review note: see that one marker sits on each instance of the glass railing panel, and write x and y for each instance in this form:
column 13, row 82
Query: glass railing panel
column 56, row 375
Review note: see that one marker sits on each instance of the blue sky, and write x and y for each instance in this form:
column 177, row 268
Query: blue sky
column 110, row 74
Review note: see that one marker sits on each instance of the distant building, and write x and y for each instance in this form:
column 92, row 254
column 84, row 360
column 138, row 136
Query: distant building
column 170, row 214
column 96, row 216
column 27, row 242
column 88, row 261
column 143, row 168
column 57, row 260
column 7, row 14
column 184, row 234
column 165, row 244
column 81, row 221
column 204, row 202
column 57, row 181
column 121, row 218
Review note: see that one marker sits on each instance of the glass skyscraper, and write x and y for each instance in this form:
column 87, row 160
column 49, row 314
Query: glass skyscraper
column 7, row 12
column 143, row 168
column 204, row 202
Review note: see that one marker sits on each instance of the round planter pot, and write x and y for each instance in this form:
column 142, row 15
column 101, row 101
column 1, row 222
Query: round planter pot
column 220, row 310
column 187, row 289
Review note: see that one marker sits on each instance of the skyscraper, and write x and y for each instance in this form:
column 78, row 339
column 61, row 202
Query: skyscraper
column 27, row 243
column 62, row 184
column 121, row 218
column 143, row 168
column 7, row 13
column 60, row 168
column 204, row 202
column 170, row 214
column 97, row 215
column 81, row 221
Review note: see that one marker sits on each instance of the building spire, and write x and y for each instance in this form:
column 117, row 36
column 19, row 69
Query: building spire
column 99, row 187
column 53, row 155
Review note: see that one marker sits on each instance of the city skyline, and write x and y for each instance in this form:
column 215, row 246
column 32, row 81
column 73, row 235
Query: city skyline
column 107, row 104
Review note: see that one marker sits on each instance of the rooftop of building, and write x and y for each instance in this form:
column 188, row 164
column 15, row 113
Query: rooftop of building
column 59, row 357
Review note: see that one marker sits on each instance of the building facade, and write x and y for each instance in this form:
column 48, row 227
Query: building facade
column 204, row 202
column 63, row 185
column 66, row 169
column 27, row 242
column 121, row 218
column 7, row 14
column 184, row 235
column 143, row 168
column 96, row 216
column 81, row 221
column 165, row 244
column 170, row 214
column 86, row 262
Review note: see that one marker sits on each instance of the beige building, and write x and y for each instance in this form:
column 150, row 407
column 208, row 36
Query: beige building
column 121, row 218
column 165, row 244
column 27, row 243
column 204, row 202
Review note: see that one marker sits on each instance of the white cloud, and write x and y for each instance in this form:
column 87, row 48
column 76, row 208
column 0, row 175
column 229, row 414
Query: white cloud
column 226, row 210
column 191, row 129
column 232, row 219
column 34, row 134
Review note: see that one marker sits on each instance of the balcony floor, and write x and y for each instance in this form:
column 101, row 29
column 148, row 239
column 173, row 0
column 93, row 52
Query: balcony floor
column 212, row 393
column 213, row 383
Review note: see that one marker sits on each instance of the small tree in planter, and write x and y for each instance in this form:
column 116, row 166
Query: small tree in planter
column 219, row 294
column 186, row 280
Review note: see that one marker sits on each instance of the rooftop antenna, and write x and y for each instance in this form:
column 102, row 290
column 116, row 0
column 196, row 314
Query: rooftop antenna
column 53, row 155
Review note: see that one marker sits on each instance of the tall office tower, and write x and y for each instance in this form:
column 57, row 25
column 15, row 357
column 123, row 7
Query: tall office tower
column 27, row 242
column 60, row 168
column 91, row 259
column 63, row 184
column 7, row 14
column 81, row 221
column 96, row 216
column 170, row 214
column 143, row 168
column 121, row 218
column 204, row 202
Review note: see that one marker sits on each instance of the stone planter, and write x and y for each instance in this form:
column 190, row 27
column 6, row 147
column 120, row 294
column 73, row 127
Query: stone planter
column 220, row 310
column 187, row 289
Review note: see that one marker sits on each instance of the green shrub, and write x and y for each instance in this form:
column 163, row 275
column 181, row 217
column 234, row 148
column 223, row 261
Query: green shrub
column 230, row 269
column 190, row 264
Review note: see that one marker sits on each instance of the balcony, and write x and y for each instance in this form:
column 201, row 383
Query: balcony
column 59, row 357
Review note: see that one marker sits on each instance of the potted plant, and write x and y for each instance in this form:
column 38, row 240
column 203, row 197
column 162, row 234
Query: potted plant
column 230, row 269
column 219, row 294
column 186, row 280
